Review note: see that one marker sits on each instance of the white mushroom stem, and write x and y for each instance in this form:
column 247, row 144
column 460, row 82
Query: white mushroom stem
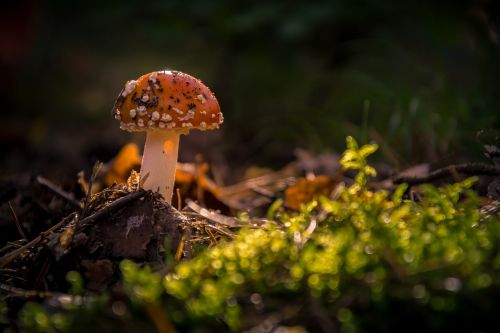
column 159, row 161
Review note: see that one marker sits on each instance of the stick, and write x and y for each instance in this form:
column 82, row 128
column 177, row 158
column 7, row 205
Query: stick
column 218, row 218
column 93, row 176
column 7, row 259
column 56, row 189
column 16, row 220
column 466, row 168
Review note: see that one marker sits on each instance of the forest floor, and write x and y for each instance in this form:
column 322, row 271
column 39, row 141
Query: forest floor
column 90, row 223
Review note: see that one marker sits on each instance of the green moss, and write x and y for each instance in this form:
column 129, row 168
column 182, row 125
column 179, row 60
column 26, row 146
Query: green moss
column 35, row 318
column 361, row 239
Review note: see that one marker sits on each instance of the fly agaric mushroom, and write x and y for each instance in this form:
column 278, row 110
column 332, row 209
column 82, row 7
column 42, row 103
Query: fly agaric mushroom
column 165, row 104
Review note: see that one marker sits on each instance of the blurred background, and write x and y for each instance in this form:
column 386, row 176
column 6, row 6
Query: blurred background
column 419, row 77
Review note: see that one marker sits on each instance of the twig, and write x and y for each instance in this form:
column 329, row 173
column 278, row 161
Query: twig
column 40, row 278
column 93, row 176
column 158, row 316
column 272, row 320
column 219, row 218
column 95, row 171
column 466, row 168
column 180, row 248
column 262, row 191
column 221, row 231
column 213, row 240
column 24, row 293
column 18, row 292
column 179, row 198
column 275, row 178
column 7, row 259
column 13, row 276
column 16, row 220
column 56, row 189
column 308, row 232
column 9, row 245
column 186, row 237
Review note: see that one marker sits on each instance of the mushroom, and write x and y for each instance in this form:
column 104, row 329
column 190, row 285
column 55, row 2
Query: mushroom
column 165, row 104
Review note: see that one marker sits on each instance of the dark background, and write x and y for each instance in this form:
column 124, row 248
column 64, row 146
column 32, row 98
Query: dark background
column 421, row 78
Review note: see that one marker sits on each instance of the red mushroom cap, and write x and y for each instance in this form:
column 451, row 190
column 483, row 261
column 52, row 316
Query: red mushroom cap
column 167, row 100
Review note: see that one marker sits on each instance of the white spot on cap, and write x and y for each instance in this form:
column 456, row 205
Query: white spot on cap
column 117, row 115
column 155, row 116
column 151, row 123
column 142, row 110
column 153, row 76
column 171, row 125
column 161, row 124
column 132, row 113
column 201, row 98
column 213, row 115
column 203, row 124
column 187, row 125
column 189, row 115
column 145, row 98
column 178, row 111
column 203, row 112
column 140, row 122
column 129, row 87
column 166, row 117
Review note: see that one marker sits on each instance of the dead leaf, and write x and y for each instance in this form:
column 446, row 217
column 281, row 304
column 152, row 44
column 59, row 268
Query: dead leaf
column 306, row 190
column 125, row 161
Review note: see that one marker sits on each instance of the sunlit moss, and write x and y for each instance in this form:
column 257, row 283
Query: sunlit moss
column 36, row 319
column 76, row 281
column 363, row 235
column 141, row 284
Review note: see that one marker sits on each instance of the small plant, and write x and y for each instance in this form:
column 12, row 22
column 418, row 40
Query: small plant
column 354, row 158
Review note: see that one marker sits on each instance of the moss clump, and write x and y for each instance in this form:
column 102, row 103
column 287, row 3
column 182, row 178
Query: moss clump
column 363, row 244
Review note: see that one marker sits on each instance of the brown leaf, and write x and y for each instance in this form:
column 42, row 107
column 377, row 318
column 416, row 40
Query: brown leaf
column 125, row 161
column 306, row 190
